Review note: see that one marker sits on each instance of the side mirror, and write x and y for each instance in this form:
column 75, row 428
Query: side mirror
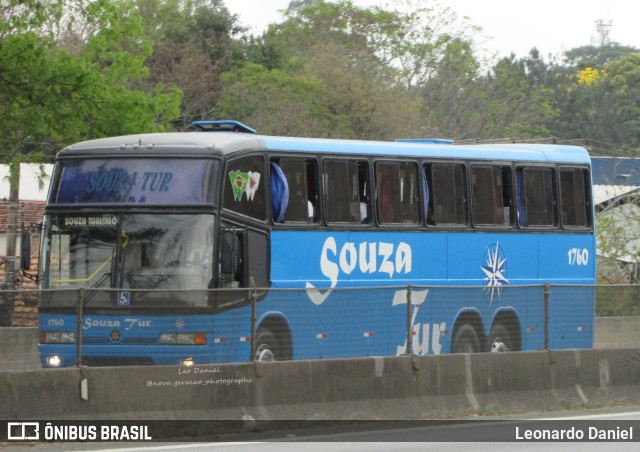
column 25, row 251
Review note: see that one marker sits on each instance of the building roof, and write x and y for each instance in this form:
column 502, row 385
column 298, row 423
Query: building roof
column 604, row 193
column 30, row 214
column 624, row 171
column 614, row 177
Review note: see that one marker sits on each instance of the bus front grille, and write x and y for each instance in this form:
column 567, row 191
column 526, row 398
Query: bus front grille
column 116, row 361
column 124, row 341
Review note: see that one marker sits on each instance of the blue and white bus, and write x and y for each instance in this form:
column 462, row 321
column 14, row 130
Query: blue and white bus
column 222, row 245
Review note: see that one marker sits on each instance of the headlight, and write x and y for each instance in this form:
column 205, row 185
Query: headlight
column 188, row 362
column 54, row 361
column 57, row 337
column 183, row 338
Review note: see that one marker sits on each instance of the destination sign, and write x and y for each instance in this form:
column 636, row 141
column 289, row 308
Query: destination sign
column 91, row 221
column 136, row 181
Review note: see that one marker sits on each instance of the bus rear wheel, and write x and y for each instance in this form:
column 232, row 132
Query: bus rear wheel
column 499, row 339
column 465, row 340
column 266, row 346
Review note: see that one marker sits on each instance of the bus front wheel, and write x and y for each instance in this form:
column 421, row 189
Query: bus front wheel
column 499, row 339
column 465, row 340
column 266, row 346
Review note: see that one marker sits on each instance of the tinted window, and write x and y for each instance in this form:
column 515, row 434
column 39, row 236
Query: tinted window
column 446, row 194
column 244, row 190
column 299, row 177
column 536, row 197
column 491, row 195
column 573, row 194
column 398, row 194
column 346, row 191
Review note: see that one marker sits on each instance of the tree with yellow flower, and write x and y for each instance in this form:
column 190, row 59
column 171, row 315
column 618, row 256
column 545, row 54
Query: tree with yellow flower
column 589, row 75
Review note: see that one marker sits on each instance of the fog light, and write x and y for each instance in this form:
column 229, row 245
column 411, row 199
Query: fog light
column 54, row 361
column 188, row 362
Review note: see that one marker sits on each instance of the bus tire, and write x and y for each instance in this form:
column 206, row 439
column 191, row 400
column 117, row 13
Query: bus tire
column 266, row 346
column 499, row 339
column 465, row 340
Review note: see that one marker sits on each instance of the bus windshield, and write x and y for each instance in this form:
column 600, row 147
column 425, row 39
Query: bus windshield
column 139, row 181
column 136, row 251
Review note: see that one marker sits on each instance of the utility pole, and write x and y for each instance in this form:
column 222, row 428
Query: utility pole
column 12, row 224
column 7, row 299
column 603, row 28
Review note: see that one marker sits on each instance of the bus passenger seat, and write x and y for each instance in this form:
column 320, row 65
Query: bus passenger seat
column 364, row 215
column 310, row 212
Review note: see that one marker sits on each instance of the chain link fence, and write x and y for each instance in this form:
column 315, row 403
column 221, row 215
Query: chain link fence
column 618, row 300
column 117, row 327
column 114, row 327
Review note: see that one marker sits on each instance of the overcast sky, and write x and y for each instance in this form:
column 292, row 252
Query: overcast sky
column 552, row 26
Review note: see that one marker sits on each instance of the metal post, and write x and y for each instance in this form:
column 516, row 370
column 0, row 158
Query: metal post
column 79, row 309
column 13, row 216
column 409, row 350
column 547, row 295
column 254, row 299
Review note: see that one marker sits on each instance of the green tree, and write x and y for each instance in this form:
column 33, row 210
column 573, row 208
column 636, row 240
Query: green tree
column 522, row 104
column 451, row 96
column 354, row 52
column 510, row 101
column 607, row 109
column 194, row 42
column 597, row 56
column 275, row 103
column 50, row 96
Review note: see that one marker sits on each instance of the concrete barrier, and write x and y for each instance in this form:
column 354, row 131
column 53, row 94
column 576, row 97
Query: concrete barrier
column 385, row 388
column 617, row 332
column 19, row 346
column 19, row 349
column 390, row 388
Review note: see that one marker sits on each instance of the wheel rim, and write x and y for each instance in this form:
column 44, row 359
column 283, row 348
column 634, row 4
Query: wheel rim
column 499, row 345
column 265, row 354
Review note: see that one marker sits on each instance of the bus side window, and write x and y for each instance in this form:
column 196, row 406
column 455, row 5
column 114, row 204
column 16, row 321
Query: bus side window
column 300, row 177
column 397, row 192
column 244, row 190
column 535, row 197
column 491, row 195
column 447, row 194
column 346, row 191
column 573, row 196
column 313, row 213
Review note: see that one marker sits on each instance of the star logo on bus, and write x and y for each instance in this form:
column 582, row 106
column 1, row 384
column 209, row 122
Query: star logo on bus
column 494, row 269
column 115, row 336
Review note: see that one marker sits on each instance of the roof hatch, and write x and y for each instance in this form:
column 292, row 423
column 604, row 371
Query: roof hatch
column 222, row 125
